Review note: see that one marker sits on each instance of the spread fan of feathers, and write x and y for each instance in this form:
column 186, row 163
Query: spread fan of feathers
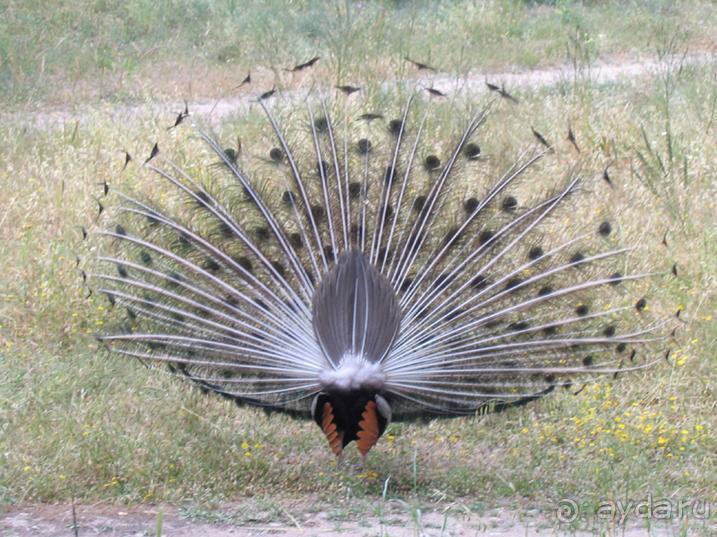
column 363, row 271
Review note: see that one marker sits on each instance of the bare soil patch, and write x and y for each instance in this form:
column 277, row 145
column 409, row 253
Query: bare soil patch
column 217, row 109
column 298, row 519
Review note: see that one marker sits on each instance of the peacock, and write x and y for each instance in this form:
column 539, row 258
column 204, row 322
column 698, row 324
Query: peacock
column 357, row 267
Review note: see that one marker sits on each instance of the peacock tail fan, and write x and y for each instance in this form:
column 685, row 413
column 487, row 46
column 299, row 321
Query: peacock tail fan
column 358, row 266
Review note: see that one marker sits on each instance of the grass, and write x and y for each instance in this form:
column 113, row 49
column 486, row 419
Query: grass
column 73, row 53
column 74, row 423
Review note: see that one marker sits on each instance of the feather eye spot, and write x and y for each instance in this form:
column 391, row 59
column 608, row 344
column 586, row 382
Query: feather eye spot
column 419, row 203
column 605, row 229
column 550, row 330
column 321, row 124
column 641, row 304
column 322, row 168
column 615, row 278
column 582, row 310
column 577, row 258
column 295, row 240
column 470, row 205
column 231, row 301
column 510, row 204
column 471, row 151
column 479, row 282
column 279, row 268
column 121, row 270
column 513, row 282
column 519, row 326
column 389, row 175
column 364, row 146
column 231, row 154
column 328, row 252
column 621, row 347
column 288, row 198
column 545, row 290
column 183, row 241
column 226, row 230
column 145, row 258
column 536, row 252
column 609, row 331
column 354, row 190
column 431, row 163
column 262, row 233
column 244, row 263
column 395, row 126
column 120, row 230
column 588, row 361
column 406, row 284
column 318, row 212
column 173, row 280
column 276, row 155
column 210, row 265
column 485, row 236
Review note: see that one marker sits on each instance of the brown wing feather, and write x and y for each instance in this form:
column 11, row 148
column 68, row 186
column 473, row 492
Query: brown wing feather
column 368, row 429
column 329, row 427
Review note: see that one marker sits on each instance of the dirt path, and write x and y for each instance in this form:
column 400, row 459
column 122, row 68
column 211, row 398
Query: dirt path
column 396, row 519
column 474, row 84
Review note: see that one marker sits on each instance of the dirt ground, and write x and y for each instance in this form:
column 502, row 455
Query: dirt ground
column 395, row 521
column 215, row 110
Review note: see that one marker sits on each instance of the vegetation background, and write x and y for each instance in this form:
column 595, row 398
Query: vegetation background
column 82, row 80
